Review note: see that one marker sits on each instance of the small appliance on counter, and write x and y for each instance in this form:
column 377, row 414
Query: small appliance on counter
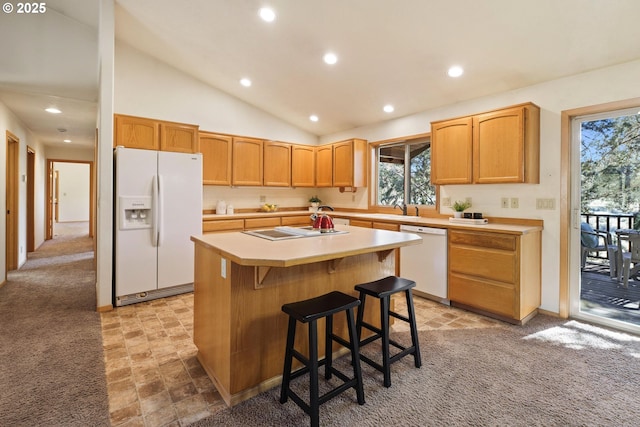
column 322, row 221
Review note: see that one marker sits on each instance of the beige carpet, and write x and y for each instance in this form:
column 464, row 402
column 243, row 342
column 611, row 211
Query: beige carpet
column 550, row 372
column 51, row 361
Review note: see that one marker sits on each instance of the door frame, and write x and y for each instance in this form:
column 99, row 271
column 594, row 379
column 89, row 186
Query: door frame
column 49, row 199
column 12, row 202
column 570, row 276
column 31, row 189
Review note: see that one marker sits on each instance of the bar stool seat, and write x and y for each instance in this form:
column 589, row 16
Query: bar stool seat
column 383, row 289
column 309, row 311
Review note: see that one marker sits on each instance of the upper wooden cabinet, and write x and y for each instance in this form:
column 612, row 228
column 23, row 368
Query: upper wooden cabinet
column 451, row 151
column 150, row 134
column 303, row 166
column 350, row 163
column 506, row 145
column 501, row 146
column 247, row 161
column 324, row 166
column 137, row 132
column 216, row 158
column 277, row 164
column 178, row 137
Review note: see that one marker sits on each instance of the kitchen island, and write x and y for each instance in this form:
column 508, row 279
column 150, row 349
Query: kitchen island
column 241, row 282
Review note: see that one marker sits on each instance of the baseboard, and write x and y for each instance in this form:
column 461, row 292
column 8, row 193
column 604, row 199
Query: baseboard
column 551, row 313
column 4, row 282
column 104, row 308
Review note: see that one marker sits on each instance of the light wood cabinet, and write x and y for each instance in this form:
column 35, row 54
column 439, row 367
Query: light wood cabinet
column 178, row 137
column 151, row 134
column 501, row 146
column 350, row 163
column 506, row 146
column 216, row 158
column 137, row 132
column 324, row 166
column 298, row 220
column 497, row 274
column 217, row 225
column 247, row 161
column 451, row 151
column 361, row 223
column 277, row 164
column 303, row 166
column 253, row 223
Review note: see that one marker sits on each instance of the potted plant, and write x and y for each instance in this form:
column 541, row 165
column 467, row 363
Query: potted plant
column 315, row 201
column 459, row 207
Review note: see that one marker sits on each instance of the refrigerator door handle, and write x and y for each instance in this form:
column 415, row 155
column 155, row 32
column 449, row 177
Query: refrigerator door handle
column 160, row 208
column 154, row 202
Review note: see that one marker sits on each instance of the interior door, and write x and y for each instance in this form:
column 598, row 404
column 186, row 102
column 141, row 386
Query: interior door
column 13, row 148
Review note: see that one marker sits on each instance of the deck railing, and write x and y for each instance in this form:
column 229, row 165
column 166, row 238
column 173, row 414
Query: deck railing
column 609, row 223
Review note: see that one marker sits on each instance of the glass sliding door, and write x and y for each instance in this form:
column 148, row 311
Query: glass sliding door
column 605, row 202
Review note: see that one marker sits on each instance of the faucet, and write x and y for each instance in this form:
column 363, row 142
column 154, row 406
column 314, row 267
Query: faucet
column 325, row 206
column 403, row 208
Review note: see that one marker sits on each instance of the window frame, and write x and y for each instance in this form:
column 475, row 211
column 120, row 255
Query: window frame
column 374, row 163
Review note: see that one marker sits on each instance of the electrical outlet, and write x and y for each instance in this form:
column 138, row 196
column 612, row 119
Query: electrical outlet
column 504, row 202
column 468, row 200
column 547, row 204
column 263, row 199
column 446, row 201
column 515, row 203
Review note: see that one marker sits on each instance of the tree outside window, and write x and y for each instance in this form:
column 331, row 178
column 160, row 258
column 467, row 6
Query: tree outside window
column 404, row 174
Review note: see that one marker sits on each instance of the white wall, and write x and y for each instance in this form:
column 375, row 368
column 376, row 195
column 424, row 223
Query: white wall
column 9, row 122
column 596, row 87
column 73, row 191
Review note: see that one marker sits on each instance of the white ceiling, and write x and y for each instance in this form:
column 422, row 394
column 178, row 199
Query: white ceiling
column 393, row 52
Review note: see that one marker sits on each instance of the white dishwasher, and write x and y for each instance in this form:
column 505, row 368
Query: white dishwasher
column 426, row 263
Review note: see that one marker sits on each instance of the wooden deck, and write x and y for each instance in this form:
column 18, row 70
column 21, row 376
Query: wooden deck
column 603, row 296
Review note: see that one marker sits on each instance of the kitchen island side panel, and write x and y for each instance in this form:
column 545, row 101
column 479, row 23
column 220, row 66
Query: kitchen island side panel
column 257, row 325
column 211, row 315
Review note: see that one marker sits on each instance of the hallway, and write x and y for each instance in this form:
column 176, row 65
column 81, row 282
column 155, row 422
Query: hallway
column 51, row 361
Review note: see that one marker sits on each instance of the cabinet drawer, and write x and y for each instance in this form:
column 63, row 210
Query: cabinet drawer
column 386, row 226
column 261, row 222
column 222, row 225
column 484, row 263
column 496, row 298
column 361, row 223
column 296, row 220
column 505, row 242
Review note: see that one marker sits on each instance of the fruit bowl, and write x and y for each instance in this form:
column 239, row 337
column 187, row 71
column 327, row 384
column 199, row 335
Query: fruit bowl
column 268, row 207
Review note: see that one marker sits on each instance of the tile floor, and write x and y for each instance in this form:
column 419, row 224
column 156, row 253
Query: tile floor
column 154, row 378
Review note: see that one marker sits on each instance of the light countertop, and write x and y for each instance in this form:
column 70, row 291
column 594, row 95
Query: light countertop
column 245, row 249
column 442, row 222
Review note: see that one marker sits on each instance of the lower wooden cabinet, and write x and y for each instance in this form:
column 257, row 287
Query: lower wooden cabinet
column 497, row 274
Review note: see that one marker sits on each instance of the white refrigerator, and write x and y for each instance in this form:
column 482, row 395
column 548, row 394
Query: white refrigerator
column 158, row 206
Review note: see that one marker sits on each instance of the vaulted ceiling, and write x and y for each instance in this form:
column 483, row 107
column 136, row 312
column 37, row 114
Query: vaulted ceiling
column 388, row 53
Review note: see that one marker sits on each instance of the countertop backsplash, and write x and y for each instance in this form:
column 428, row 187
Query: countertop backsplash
column 250, row 197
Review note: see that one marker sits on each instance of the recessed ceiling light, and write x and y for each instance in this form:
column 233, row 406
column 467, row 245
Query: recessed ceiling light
column 67, row 141
column 52, row 110
column 330, row 58
column 267, row 14
column 388, row 108
column 245, row 82
column 313, row 118
column 455, row 71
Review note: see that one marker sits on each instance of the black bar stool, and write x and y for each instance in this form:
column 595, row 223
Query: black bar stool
column 309, row 311
column 383, row 289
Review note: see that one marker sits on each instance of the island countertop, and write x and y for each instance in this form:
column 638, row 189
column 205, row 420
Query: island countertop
column 248, row 250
